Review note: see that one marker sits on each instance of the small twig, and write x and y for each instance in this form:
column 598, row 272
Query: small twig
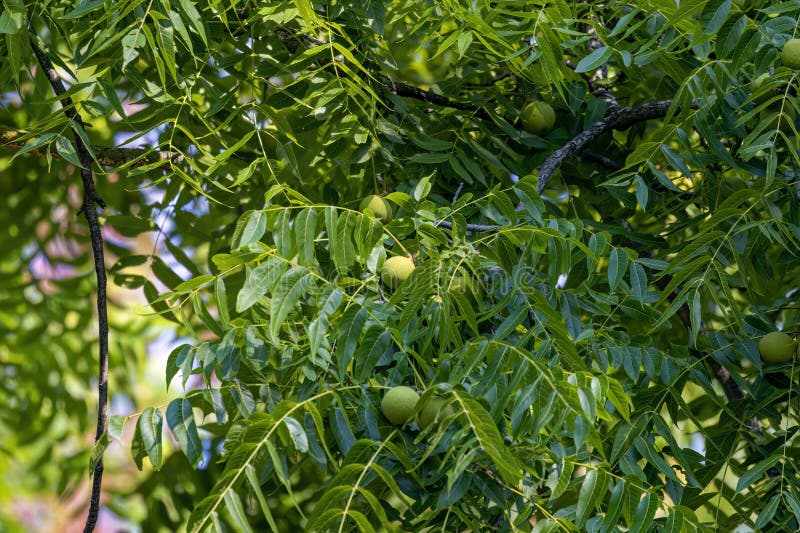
column 106, row 156
column 89, row 209
column 594, row 43
column 604, row 95
column 457, row 193
column 470, row 227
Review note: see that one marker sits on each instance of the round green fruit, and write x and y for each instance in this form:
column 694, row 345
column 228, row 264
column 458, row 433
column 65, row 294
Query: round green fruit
column 777, row 347
column 379, row 207
column 398, row 404
column 434, row 411
column 396, row 270
column 538, row 118
column 790, row 55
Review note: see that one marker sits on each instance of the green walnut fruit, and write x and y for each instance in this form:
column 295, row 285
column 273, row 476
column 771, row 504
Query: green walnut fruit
column 777, row 347
column 396, row 270
column 433, row 412
column 538, row 118
column 790, row 55
column 379, row 207
column 398, row 403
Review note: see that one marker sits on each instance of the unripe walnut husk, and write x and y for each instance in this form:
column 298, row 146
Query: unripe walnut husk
column 379, row 207
column 777, row 347
column 396, row 270
column 398, row 403
column 790, row 55
column 538, row 117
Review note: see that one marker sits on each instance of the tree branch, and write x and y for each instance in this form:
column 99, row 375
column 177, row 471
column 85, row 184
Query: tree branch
column 106, row 156
column 616, row 119
column 470, row 227
column 89, row 209
column 409, row 91
column 293, row 41
column 600, row 159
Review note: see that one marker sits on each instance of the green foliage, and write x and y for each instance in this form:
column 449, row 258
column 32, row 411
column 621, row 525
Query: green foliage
column 611, row 317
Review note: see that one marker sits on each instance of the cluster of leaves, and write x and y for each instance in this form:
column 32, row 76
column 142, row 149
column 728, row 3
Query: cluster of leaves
column 308, row 321
column 581, row 353
column 309, row 337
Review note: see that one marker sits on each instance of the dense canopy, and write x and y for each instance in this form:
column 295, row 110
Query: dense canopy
column 583, row 315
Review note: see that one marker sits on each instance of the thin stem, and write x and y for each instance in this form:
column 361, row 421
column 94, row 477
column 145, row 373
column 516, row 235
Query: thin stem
column 89, row 208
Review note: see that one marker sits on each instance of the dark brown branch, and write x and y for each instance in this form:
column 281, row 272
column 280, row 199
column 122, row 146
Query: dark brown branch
column 107, row 156
column 89, row 209
column 409, row 91
column 604, row 95
column 470, row 227
column 616, row 119
column 600, row 159
column 575, row 145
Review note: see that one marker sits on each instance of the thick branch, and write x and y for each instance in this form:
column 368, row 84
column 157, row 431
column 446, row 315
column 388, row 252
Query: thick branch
column 616, row 119
column 89, row 208
column 106, row 156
